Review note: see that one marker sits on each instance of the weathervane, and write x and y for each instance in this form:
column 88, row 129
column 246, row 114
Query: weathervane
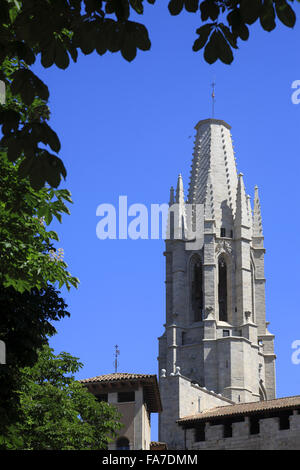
column 213, row 98
column 117, row 353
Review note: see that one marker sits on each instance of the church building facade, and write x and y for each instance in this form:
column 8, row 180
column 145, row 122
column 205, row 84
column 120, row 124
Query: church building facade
column 216, row 386
column 216, row 349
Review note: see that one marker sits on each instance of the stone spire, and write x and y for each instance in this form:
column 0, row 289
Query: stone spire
column 213, row 152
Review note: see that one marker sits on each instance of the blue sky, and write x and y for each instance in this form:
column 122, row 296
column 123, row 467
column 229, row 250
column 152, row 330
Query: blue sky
column 128, row 129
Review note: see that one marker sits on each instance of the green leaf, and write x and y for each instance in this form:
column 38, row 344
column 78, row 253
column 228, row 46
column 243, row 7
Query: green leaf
column 121, row 8
column 285, row 13
column 191, row 5
column 128, row 49
column 209, row 9
column 137, row 5
column 224, row 49
column 61, row 56
column 48, row 216
column 48, row 136
column 210, row 51
column 36, row 176
column 267, row 15
column 204, row 32
column 24, row 52
column 53, row 235
column 10, row 120
column 25, row 167
column 228, row 35
column 48, row 54
column 28, row 85
column 250, row 10
column 116, row 37
column 141, row 37
column 243, row 32
column 175, row 6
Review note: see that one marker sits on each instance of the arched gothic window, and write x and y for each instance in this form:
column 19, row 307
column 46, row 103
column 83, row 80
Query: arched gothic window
column 222, row 289
column 197, row 289
column 123, row 443
column 262, row 392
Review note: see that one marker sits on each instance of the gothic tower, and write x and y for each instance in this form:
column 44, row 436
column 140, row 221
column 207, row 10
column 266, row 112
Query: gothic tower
column 216, row 332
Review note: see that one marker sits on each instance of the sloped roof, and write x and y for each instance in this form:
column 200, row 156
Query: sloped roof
column 158, row 445
column 116, row 376
column 149, row 382
column 242, row 409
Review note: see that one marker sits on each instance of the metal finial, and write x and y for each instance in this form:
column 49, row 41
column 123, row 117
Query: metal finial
column 117, row 353
column 213, row 98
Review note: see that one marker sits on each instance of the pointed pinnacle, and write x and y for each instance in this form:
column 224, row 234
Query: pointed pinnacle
column 171, row 196
column 242, row 209
column 257, row 220
column 179, row 190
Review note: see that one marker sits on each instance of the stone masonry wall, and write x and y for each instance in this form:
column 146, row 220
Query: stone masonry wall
column 270, row 437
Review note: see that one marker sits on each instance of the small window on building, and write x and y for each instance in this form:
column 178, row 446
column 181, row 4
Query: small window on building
column 231, row 233
column 126, row 396
column 196, row 288
column 200, row 433
column 223, row 232
column 102, row 396
column 254, row 425
column 123, row 444
column 227, row 429
column 284, row 421
column 226, row 333
column 222, row 289
column 183, row 337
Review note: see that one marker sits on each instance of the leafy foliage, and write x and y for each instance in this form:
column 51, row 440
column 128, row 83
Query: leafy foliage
column 26, row 323
column 29, row 266
column 24, row 126
column 219, row 39
column 25, row 243
column 58, row 413
column 55, row 30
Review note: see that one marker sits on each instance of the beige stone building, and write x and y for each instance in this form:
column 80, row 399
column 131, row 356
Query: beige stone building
column 263, row 425
column 135, row 396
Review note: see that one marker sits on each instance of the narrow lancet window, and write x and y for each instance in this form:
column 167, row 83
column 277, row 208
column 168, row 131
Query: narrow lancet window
column 222, row 290
column 197, row 290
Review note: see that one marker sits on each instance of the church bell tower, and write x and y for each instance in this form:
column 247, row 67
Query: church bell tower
column 216, row 331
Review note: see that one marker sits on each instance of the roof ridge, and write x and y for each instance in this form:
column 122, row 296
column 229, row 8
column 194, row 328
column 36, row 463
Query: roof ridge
column 117, row 375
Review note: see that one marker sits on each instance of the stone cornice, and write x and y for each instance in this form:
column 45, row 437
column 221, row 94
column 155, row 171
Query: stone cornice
column 219, row 122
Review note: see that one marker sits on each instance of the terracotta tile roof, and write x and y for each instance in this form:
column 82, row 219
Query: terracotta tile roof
column 243, row 409
column 158, row 445
column 116, row 377
column 149, row 382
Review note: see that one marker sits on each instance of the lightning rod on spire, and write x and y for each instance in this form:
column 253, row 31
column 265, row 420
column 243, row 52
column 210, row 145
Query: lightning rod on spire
column 117, row 353
column 213, row 98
